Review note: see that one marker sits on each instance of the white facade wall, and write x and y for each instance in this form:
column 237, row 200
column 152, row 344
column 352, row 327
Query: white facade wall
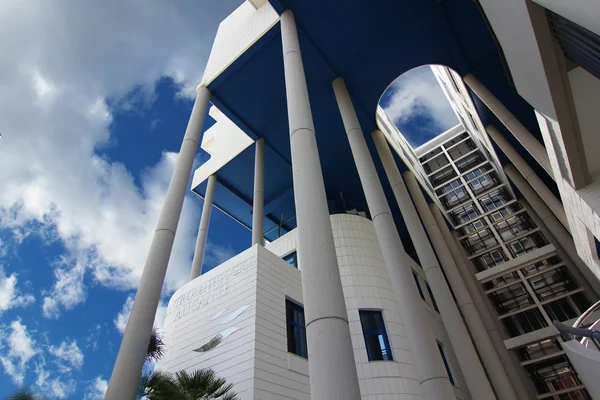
column 366, row 286
column 585, row 89
column 581, row 206
column 278, row 374
column 236, row 34
column 255, row 357
column 223, row 142
column 191, row 323
column 537, row 71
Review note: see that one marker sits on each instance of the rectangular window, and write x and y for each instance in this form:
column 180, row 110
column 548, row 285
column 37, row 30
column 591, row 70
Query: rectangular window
column 376, row 340
column 292, row 259
column 441, row 348
column 418, row 285
column 432, row 298
column 296, row 330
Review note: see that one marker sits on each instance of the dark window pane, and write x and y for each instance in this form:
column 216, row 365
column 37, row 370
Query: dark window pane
column 418, row 285
column 441, row 348
column 376, row 340
column 432, row 298
column 296, row 330
column 292, row 259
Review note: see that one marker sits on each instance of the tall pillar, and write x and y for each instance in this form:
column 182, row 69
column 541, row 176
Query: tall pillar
column 496, row 371
column 511, row 367
column 126, row 373
column 530, row 143
column 203, row 228
column 330, row 354
column 495, row 368
column 588, row 283
column 432, row 374
column 258, row 204
column 547, row 218
column 534, row 180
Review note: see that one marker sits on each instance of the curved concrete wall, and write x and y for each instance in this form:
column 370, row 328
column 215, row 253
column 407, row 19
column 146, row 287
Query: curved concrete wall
column 366, row 286
column 255, row 356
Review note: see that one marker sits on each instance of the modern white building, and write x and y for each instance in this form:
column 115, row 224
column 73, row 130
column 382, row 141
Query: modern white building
column 245, row 319
column 455, row 270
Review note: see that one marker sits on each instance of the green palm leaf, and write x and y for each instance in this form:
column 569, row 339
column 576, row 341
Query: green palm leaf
column 197, row 385
column 156, row 347
column 23, row 395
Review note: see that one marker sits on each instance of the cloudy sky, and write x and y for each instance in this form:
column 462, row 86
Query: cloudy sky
column 94, row 100
column 417, row 105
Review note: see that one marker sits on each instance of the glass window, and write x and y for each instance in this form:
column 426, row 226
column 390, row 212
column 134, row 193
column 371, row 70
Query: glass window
column 296, row 329
column 441, row 348
column 292, row 259
column 376, row 340
column 418, row 285
column 431, row 296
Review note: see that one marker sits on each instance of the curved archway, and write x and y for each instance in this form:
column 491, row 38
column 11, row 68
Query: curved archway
column 417, row 104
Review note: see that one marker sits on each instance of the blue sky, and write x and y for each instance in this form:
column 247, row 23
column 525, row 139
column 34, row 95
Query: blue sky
column 417, row 105
column 76, row 340
column 94, row 100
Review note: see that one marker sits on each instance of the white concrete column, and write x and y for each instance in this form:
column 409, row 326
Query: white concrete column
column 588, row 282
column 548, row 219
column 511, row 367
column 496, row 371
column 530, row 176
column 330, row 354
column 450, row 315
column 529, row 142
column 432, row 374
column 126, row 373
column 203, row 228
column 258, row 203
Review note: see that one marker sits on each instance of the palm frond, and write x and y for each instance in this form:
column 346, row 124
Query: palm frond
column 162, row 386
column 201, row 384
column 23, row 395
column 156, row 346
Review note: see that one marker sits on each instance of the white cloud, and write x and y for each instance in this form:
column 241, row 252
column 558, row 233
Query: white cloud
column 161, row 314
column 122, row 317
column 54, row 118
column 60, row 389
column 53, row 388
column 216, row 255
column 418, row 92
column 97, row 389
column 3, row 249
column 68, row 290
column 17, row 350
column 92, row 337
column 10, row 296
column 67, row 355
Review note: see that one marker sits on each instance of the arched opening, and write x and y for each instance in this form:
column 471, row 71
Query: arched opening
column 416, row 103
column 412, row 112
column 429, row 119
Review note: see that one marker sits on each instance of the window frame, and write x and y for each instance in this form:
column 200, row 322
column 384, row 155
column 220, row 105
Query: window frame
column 446, row 364
column 433, row 303
column 290, row 324
column 293, row 255
column 416, row 277
column 377, row 332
